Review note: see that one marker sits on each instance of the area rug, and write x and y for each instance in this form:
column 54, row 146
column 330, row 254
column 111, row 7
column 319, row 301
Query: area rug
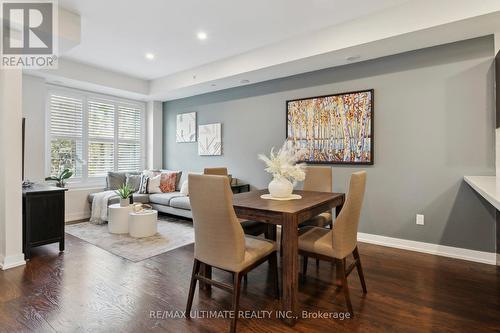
column 172, row 233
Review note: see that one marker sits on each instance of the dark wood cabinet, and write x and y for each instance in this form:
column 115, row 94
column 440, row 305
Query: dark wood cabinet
column 240, row 188
column 43, row 217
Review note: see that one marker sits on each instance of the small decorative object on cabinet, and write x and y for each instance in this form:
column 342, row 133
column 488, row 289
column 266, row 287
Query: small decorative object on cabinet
column 285, row 170
column 43, row 217
column 61, row 178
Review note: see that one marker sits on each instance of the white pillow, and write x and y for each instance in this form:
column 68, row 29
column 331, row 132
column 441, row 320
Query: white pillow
column 185, row 188
column 154, row 184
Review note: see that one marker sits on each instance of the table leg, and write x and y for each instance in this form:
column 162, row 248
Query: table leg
column 290, row 268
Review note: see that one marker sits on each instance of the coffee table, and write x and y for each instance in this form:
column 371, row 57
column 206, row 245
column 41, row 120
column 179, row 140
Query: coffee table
column 143, row 224
column 118, row 219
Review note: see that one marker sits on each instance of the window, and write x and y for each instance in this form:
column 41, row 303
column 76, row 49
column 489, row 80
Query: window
column 92, row 134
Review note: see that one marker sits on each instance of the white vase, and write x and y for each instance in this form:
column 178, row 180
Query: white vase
column 124, row 202
column 280, row 187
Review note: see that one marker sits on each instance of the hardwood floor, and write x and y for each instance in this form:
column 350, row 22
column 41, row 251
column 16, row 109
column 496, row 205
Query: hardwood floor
column 87, row 289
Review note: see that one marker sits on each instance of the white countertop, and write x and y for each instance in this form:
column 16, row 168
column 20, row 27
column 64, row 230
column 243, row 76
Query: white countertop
column 487, row 186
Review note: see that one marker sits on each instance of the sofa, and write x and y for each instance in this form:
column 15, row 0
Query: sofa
column 173, row 203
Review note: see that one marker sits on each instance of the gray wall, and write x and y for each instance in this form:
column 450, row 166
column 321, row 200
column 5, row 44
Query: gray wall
column 434, row 123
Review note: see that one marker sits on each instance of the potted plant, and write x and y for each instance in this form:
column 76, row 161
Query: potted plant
column 124, row 192
column 61, row 178
column 285, row 169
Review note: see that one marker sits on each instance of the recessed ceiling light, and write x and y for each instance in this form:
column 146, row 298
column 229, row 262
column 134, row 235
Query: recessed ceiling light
column 353, row 57
column 244, row 81
column 201, row 35
column 149, row 56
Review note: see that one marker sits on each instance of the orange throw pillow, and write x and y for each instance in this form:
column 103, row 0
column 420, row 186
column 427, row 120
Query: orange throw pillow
column 168, row 182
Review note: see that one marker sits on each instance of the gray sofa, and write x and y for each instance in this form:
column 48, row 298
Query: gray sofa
column 171, row 203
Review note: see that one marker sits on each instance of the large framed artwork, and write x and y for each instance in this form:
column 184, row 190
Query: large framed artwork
column 333, row 129
column 209, row 140
column 186, row 127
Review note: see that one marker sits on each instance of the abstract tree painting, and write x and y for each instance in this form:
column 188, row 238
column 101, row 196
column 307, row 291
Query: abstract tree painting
column 336, row 129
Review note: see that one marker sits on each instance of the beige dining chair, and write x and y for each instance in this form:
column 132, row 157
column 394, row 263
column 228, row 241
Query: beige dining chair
column 215, row 171
column 253, row 228
column 339, row 242
column 318, row 179
column 220, row 241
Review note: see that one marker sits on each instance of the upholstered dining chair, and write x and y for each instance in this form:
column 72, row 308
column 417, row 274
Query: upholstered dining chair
column 341, row 241
column 220, row 241
column 318, row 179
column 249, row 227
column 215, row 171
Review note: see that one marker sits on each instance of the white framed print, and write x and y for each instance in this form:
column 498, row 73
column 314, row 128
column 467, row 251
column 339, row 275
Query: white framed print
column 210, row 140
column 186, row 127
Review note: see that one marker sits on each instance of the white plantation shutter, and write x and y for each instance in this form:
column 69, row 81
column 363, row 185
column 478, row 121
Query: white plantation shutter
column 101, row 158
column 66, row 133
column 129, row 138
column 129, row 157
column 101, row 131
column 129, row 123
column 66, row 116
column 109, row 132
column 101, row 120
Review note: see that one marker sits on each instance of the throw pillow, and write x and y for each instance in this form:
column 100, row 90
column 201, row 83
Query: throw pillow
column 143, row 187
column 115, row 180
column 178, row 177
column 154, row 184
column 134, row 182
column 168, row 182
column 185, row 188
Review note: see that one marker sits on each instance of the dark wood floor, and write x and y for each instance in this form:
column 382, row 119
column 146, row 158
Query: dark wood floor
column 87, row 289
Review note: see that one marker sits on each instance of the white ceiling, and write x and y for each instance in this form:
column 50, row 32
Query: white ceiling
column 116, row 34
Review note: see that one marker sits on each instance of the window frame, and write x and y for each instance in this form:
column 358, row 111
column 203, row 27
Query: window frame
column 85, row 96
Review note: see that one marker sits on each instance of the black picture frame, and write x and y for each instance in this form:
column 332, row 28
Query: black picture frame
column 372, row 126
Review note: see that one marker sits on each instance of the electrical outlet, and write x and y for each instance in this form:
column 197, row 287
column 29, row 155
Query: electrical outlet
column 420, row 219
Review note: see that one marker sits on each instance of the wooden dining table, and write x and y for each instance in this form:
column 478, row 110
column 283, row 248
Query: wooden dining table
column 288, row 214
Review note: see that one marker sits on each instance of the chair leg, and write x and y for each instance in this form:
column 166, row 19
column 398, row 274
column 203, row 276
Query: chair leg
column 342, row 279
column 359, row 268
column 236, row 300
column 192, row 287
column 245, row 279
column 281, row 243
column 317, row 263
column 273, row 264
column 304, row 266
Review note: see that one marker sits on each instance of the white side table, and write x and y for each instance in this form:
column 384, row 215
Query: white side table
column 118, row 219
column 144, row 224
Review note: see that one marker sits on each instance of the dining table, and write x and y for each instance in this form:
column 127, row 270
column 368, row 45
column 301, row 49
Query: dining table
column 288, row 214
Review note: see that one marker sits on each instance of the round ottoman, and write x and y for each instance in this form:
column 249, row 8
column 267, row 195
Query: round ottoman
column 143, row 224
column 118, row 219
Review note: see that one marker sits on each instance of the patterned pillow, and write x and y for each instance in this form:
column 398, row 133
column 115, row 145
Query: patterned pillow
column 154, row 184
column 168, row 182
column 134, row 182
column 143, row 187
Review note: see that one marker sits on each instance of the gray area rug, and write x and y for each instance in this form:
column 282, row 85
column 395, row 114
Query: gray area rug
column 172, row 233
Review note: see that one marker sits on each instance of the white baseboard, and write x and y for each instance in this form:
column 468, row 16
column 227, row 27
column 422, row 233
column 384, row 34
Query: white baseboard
column 440, row 250
column 76, row 216
column 12, row 261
